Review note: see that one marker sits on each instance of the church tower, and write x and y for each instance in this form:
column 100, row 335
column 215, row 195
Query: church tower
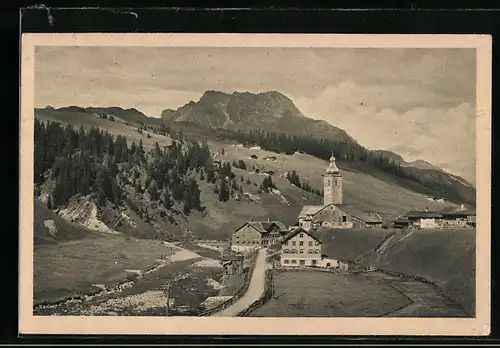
column 332, row 184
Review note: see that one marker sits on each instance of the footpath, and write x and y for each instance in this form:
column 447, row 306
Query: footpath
column 254, row 291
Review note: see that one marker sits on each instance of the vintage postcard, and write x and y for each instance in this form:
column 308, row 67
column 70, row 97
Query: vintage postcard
column 255, row 184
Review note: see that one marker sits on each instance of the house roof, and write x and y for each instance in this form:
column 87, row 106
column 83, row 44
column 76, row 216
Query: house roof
column 401, row 219
column 298, row 230
column 369, row 217
column 265, row 226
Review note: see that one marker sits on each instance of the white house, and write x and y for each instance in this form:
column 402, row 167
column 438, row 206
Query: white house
column 299, row 248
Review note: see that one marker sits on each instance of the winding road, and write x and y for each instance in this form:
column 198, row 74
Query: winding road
column 254, row 291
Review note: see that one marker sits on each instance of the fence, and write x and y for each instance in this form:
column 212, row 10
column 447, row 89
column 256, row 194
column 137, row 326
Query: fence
column 268, row 293
column 241, row 291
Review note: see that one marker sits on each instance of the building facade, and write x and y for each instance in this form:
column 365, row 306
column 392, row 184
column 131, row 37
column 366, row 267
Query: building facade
column 334, row 213
column 447, row 218
column 299, row 248
column 256, row 234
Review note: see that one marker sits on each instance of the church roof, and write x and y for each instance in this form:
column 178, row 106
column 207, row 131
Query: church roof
column 369, row 217
column 311, row 210
column 332, row 168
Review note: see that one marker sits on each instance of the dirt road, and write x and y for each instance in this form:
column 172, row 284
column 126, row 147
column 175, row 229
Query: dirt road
column 254, row 292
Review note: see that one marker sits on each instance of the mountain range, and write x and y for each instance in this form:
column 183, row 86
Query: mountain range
column 223, row 113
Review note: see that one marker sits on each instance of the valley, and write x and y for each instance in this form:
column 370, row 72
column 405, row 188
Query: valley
column 132, row 214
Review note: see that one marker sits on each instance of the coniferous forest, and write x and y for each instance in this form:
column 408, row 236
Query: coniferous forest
column 94, row 162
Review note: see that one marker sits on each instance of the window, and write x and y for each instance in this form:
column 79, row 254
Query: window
column 294, row 261
column 344, row 218
column 301, row 235
column 328, row 264
column 286, row 243
column 317, row 243
column 301, row 251
column 310, row 251
column 237, row 242
column 314, row 262
column 316, row 251
column 310, row 243
column 287, row 262
column 242, row 242
column 294, row 251
column 285, row 251
column 301, row 243
column 294, row 243
column 237, row 236
column 302, row 262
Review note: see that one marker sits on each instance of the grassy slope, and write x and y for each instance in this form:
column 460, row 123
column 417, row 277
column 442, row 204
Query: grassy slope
column 319, row 294
column 76, row 258
column 350, row 244
column 77, row 119
column 378, row 192
column 445, row 257
column 70, row 268
column 66, row 231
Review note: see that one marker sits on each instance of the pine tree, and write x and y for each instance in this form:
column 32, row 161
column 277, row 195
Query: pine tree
column 167, row 200
column 223, row 191
column 49, row 203
column 153, row 190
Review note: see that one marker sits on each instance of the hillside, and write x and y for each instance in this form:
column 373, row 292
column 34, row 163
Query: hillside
column 50, row 228
column 443, row 257
column 376, row 191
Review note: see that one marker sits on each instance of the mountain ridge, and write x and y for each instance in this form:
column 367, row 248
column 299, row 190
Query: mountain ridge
column 271, row 111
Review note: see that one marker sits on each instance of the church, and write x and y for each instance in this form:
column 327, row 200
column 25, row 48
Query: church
column 334, row 213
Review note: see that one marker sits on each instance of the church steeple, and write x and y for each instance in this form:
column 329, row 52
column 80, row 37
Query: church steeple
column 332, row 168
column 332, row 184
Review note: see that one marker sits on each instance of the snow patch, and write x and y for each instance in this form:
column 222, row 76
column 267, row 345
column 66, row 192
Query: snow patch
column 182, row 255
column 252, row 197
column 210, row 246
column 139, row 302
column 214, row 284
column 214, row 301
column 136, row 271
column 51, row 226
column 210, row 263
column 279, row 195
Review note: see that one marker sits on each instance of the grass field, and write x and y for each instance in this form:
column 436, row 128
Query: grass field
column 321, row 294
column 70, row 268
column 349, row 244
column 445, row 257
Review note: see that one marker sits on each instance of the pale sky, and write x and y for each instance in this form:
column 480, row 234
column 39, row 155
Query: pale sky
column 419, row 103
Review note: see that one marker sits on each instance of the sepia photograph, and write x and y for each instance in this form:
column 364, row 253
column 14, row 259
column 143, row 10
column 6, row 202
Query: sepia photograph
column 218, row 178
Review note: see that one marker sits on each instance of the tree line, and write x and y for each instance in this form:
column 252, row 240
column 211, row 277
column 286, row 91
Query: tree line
column 323, row 148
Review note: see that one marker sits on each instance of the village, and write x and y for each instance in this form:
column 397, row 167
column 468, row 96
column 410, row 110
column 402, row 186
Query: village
column 300, row 246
